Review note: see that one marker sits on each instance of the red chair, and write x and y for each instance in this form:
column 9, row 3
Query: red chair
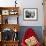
column 29, row 33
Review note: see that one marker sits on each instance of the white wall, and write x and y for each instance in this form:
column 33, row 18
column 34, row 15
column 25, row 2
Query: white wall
column 26, row 4
column 7, row 3
column 32, row 4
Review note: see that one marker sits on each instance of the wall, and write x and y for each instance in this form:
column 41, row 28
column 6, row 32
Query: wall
column 26, row 4
column 6, row 3
column 32, row 4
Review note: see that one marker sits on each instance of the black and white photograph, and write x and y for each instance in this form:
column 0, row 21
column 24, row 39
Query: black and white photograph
column 30, row 13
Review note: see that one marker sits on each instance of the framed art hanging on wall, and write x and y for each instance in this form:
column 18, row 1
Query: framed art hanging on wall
column 30, row 13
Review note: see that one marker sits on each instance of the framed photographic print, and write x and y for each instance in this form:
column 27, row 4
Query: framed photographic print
column 13, row 12
column 30, row 13
column 5, row 12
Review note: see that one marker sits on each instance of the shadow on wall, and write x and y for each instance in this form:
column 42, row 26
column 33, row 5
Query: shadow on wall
column 37, row 29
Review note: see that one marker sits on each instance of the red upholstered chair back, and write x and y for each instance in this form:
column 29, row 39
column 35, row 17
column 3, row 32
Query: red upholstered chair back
column 29, row 33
